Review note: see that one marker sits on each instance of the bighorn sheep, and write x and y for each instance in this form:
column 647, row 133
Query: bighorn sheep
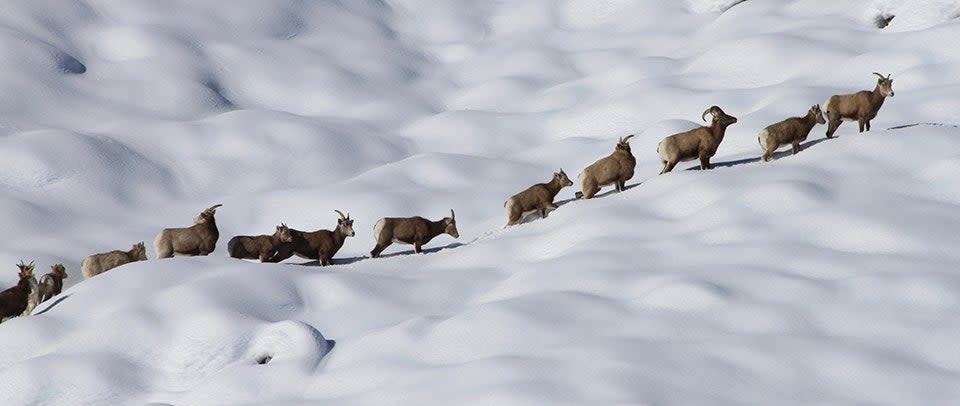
column 861, row 106
column 51, row 284
column 411, row 230
column 14, row 300
column 537, row 197
column 261, row 247
column 793, row 130
column 198, row 239
column 321, row 244
column 614, row 169
column 99, row 263
column 700, row 142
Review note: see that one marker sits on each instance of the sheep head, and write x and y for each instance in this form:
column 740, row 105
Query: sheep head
column 59, row 271
column 885, row 84
column 816, row 112
column 284, row 233
column 451, row 223
column 719, row 117
column 345, row 224
column 624, row 144
column 207, row 214
column 26, row 270
column 559, row 177
column 139, row 251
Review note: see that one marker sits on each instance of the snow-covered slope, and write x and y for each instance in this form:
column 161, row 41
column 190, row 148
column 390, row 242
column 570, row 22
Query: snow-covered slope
column 829, row 277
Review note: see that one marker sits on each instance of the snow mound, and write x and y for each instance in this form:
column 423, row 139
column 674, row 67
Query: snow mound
column 818, row 278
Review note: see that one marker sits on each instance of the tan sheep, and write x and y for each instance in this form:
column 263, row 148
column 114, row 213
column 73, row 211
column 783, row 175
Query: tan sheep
column 411, row 230
column 614, row 169
column 99, row 263
column 861, row 106
column 51, row 284
column 793, row 131
column 262, row 247
column 537, row 197
column 198, row 239
column 321, row 245
column 700, row 142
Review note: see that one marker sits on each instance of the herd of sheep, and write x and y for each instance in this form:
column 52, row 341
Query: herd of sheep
column 615, row 169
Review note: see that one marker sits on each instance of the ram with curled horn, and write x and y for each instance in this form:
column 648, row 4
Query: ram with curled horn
column 321, row 245
column 614, row 169
column 699, row 143
column 198, row 239
column 861, row 106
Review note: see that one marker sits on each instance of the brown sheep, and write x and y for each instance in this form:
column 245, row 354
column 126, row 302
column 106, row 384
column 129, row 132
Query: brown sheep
column 793, row 130
column 261, row 247
column 198, row 239
column 51, row 284
column 700, row 142
column 614, row 169
column 99, row 263
column 537, row 197
column 13, row 301
column 411, row 230
column 861, row 106
column 321, row 244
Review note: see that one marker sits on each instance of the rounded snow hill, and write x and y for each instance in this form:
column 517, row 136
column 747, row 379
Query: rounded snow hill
column 818, row 278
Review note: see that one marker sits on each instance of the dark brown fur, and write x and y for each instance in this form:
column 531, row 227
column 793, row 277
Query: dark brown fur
column 13, row 301
column 262, row 247
column 198, row 239
column 321, row 244
column 700, row 142
column 616, row 169
column 411, row 230
column 861, row 106
column 793, row 131
column 537, row 197
column 51, row 284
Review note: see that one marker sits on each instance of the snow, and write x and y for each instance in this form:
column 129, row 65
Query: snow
column 829, row 277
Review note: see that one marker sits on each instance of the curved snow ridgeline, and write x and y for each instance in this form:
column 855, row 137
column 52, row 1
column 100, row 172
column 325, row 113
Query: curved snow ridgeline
column 830, row 277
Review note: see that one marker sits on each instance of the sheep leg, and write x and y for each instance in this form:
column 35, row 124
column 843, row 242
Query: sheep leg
column 834, row 123
column 796, row 148
column 868, row 125
column 589, row 190
column 767, row 153
column 378, row 249
column 704, row 162
column 417, row 247
column 280, row 255
column 861, row 122
column 668, row 166
column 324, row 260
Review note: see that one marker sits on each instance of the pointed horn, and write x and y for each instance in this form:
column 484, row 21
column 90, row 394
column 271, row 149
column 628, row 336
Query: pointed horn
column 453, row 215
column 881, row 76
column 341, row 214
column 212, row 209
column 625, row 139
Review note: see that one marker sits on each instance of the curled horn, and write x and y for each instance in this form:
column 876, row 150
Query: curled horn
column 341, row 214
column 625, row 139
column 881, row 76
column 712, row 110
column 212, row 209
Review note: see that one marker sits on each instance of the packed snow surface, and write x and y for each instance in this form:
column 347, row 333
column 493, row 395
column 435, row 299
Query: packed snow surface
column 829, row 277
